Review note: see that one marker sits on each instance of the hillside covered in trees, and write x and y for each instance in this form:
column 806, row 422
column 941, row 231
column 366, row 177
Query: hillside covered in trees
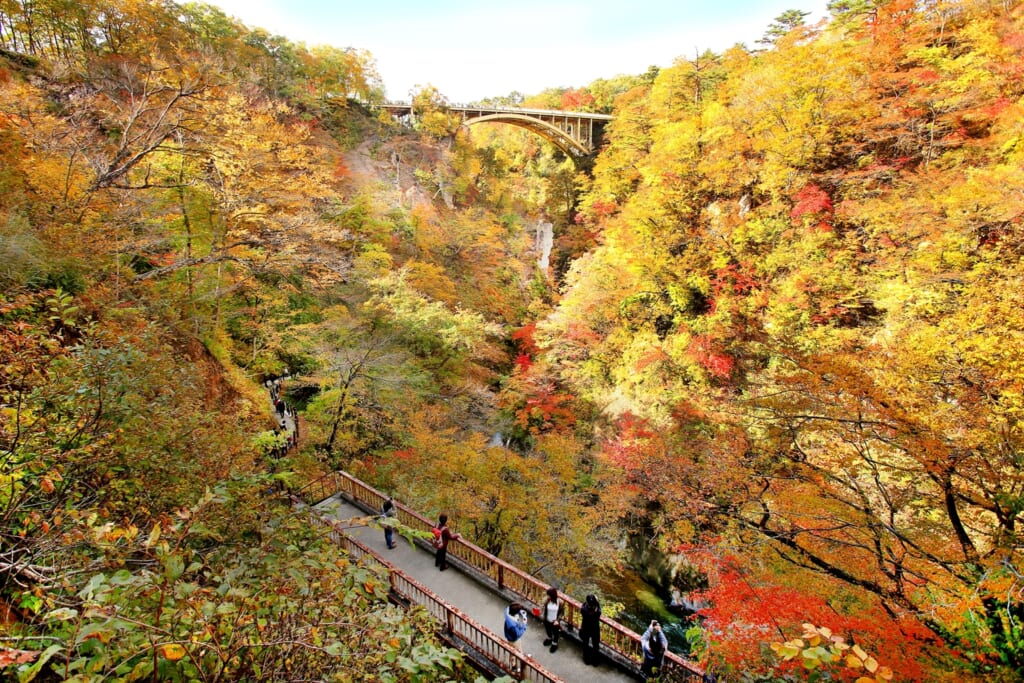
column 779, row 346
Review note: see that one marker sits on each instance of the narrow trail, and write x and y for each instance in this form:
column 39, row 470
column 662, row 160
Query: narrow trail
column 287, row 420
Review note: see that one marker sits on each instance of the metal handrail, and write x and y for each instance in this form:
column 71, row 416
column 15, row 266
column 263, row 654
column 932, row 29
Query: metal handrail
column 615, row 637
column 454, row 623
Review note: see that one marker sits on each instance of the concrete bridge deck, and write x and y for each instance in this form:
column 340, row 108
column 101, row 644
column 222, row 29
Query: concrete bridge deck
column 474, row 599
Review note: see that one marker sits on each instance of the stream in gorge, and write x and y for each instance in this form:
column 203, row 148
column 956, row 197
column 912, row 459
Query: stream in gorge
column 641, row 602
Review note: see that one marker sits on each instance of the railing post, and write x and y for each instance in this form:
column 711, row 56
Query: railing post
column 501, row 577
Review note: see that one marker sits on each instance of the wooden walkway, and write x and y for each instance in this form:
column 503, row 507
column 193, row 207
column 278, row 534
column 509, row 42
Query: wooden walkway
column 347, row 505
column 483, row 606
column 470, row 598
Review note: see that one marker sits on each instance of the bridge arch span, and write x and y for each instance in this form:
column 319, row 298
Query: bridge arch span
column 561, row 139
column 575, row 133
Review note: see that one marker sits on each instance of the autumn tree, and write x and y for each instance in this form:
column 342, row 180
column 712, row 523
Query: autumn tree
column 161, row 207
column 430, row 111
column 781, row 323
column 783, row 24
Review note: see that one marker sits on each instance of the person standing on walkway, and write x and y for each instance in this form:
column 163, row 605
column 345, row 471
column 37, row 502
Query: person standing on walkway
column 590, row 630
column 551, row 614
column 442, row 537
column 515, row 625
column 387, row 515
column 654, row 644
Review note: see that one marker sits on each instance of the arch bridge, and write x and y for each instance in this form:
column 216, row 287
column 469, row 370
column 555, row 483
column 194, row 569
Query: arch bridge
column 576, row 133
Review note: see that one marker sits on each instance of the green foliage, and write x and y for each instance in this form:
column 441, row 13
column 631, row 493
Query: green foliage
column 22, row 254
column 429, row 328
column 285, row 606
column 783, row 24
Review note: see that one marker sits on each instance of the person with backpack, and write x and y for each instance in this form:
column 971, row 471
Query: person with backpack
column 590, row 630
column 442, row 536
column 654, row 644
column 387, row 513
column 551, row 614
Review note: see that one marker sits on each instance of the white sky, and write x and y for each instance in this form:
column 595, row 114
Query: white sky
column 472, row 50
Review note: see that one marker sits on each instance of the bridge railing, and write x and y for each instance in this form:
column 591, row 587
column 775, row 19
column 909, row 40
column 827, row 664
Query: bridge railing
column 456, row 626
column 617, row 641
column 596, row 116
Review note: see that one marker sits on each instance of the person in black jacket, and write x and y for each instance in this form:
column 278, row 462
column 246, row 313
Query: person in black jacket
column 387, row 515
column 590, row 630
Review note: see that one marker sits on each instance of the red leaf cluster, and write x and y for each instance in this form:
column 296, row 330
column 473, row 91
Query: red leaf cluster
column 574, row 100
column 546, row 409
column 523, row 338
column 704, row 352
column 523, row 362
column 811, row 199
column 634, row 443
column 733, row 279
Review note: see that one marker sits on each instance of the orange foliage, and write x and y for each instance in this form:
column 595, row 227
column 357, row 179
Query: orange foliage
column 342, row 171
column 655, row 355
column 573, row 100
column 546, row 409
column 747, row 610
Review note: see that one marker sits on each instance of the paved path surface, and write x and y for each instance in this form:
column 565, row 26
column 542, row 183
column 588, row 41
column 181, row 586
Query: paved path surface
column 474, row 599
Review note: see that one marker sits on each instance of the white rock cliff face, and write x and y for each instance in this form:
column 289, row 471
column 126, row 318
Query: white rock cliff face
column 542, row 243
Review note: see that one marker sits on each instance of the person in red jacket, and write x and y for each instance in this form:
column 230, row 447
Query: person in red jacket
column 442, row 536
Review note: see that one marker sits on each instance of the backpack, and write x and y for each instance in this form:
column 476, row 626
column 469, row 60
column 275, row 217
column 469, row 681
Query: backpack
column 438, row 540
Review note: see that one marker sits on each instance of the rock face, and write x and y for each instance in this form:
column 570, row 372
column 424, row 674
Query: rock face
column 542, row 243
column 669, row 571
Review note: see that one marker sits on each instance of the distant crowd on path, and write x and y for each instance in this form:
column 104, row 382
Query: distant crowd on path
column 290, row 432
